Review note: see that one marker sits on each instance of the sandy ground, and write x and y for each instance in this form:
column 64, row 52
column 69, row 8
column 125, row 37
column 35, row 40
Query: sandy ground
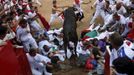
column 45, row 10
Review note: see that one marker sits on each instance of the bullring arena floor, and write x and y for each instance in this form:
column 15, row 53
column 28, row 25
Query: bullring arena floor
column 45, row 10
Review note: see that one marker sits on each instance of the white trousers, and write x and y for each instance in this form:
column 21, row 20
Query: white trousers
column 53, row 18
column 29, row 43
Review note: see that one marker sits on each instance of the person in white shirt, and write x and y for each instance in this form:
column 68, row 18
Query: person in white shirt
column 119, row 8
column 120, row 49
column 39, row 63
column 129, row 20
column 58, row 38
column 24, row 35
column 42, row 40
column 98, row 11
column 124, row 2
column 77, row 5
column 56, row 13
column 46, row 50
column 33, row 23
column 106, row 11
column 115, row 22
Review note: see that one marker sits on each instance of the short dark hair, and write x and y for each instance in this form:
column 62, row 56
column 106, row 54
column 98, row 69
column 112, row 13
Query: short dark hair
column 124, row 65
column 45, row 47
column 3, row 30
column 23, row 21
column 116, row 39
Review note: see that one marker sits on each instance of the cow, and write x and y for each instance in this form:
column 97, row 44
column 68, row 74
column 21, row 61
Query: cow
column 69, row 30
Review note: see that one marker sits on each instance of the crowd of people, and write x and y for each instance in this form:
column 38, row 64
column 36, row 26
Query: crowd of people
column 115, row 34
column 44, row 46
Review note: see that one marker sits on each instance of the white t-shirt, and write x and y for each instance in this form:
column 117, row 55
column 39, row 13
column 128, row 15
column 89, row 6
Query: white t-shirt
column 125, row 2
column 36, row 62
column 121, row 21
column 34, row 24
column 33, row 63
column 99, row 5
column 44, row 42
column 41, row 58
column 122, row 10
column 23, row 34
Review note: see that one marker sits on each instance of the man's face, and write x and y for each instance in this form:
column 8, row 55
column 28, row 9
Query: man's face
column 118, row 6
